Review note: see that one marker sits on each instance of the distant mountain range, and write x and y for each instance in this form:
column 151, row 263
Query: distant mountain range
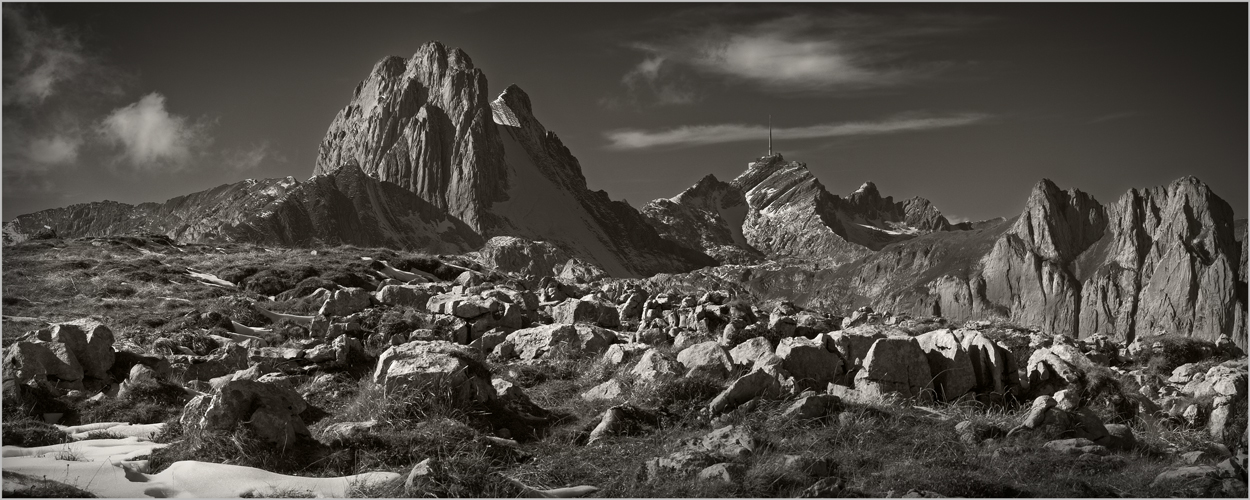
column 421, row 158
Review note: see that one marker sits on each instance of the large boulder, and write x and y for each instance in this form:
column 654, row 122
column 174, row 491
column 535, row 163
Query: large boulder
column 36, row 362
column 652, row 365
column 993, row 366
column 747, row 353
column 437, row 367
column 895, row 365
column 346, row 301
column 593, row 340
column 271, row 409
column 580, row 271
column 708, row 358
column 763, row 382
column 534, row 343
column 1054, row 368
column 586, row 310
column 402, row 296
column 811, row 364
column 89, row 341
column 854, row 344
column 949, row 363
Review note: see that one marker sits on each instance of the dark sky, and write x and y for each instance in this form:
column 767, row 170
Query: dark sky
column 968, row 105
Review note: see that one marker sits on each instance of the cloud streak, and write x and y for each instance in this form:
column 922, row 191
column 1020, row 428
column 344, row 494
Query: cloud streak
column 781, row 50
column 151, row 137
column 701, row 135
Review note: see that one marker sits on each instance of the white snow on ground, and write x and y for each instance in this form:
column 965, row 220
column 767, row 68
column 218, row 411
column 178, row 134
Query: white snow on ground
column 886, row 231
column 142, row 431
column 93, row 450
column 189, row 479
column 100, row 467
column 542, row 211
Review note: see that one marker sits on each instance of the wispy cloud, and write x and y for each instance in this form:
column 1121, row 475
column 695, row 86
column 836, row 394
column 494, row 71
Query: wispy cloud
column 698, row 135
column 250, row 158
column 151, row 137
column 780, row 50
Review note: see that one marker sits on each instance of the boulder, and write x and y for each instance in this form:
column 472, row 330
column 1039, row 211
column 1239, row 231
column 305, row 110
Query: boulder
column 853, row 345
column 949, row 363
column 580, row 271
column 708, row 358
column 534, row 343
column 782, row 326
column 1075, row 446
column 812, row 407
column 728, row 473
column 346, row 301
column 596, row 312
column 993, row 366
column 728, row 443
column 437, row 367
column 747, row 353
column 895, row 365
column 617, row 354
column 89, row 341
column 402, row 296
column 811, row 364
column 612, row 389
column 764, row 382
column 271, row 410
column 652, row 365
column 38, row 362
column 594, row 340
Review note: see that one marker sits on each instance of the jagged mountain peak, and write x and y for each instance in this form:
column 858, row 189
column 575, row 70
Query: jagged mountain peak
column 867, row 189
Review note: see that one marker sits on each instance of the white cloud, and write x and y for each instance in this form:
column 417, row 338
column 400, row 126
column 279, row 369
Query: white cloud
column 151, row 137
column 247, row 159
column 58, row 149
column 39, row 59
column 781, row 50
column 698, row 135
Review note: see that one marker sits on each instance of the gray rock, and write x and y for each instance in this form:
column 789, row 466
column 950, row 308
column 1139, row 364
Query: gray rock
column 708, row 358
column 895, row 365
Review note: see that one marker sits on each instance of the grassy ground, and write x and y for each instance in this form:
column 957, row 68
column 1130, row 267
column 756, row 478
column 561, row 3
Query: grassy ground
column 140, row 288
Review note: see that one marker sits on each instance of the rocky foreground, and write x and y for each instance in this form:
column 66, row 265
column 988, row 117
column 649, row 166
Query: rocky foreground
column 139, row 367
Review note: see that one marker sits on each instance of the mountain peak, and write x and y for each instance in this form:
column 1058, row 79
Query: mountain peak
column 868, row 188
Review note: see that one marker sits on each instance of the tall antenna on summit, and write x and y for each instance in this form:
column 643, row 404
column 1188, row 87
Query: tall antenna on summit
column 770, row 135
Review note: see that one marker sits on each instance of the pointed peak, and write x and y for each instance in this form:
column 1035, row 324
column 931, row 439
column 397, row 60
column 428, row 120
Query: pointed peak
column 515, row 98
column 868, row 188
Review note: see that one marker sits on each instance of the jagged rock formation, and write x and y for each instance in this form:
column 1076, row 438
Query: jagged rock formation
column 426, row 124
column 707, row 217
column 344, row 207
column 779, row 210
column 1159, row 260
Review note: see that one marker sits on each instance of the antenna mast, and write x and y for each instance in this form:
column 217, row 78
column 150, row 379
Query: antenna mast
column 770, row 135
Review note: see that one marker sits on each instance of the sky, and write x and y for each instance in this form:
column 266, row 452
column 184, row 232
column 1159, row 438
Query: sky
column 968, row 105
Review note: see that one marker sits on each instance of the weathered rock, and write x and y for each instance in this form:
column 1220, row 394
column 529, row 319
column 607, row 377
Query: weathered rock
column 759, row 383
column 226, row 359
column 611, row 389
column 345, row 302
column 708, row 358
column 617, row 354
column 728, row 443
column 678, row 462
column 269, row 409
column 438, row 367
column 90, row 342
column 1075, row 446
column 728, row 473
column 747, row 353
column 812, row 407
column 589, row 311
column 402, row 296
column 809, row 362
column 534, row 343
column 949, row 363
column 853, row 345
column 580, row 271
column 653, row 365
column 895, row 365
column 994, row 367
column 38, row 362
